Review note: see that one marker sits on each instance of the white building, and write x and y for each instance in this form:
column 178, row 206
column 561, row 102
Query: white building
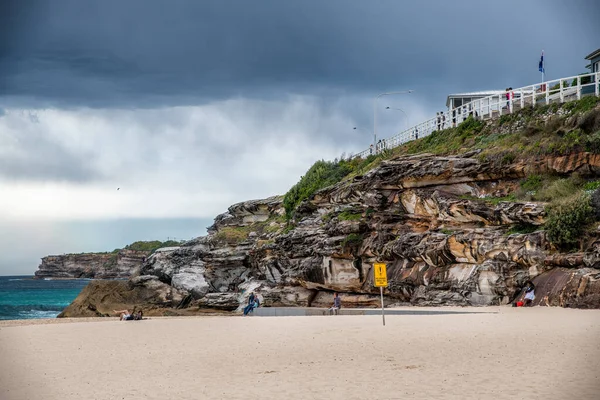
column 457, row 100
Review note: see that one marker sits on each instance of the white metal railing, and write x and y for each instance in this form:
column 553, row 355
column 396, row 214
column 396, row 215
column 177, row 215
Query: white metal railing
column 553, row 91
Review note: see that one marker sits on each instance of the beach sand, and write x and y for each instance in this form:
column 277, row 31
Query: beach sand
column 493, row 353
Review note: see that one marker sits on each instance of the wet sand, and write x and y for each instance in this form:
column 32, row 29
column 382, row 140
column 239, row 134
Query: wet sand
column 505, row 353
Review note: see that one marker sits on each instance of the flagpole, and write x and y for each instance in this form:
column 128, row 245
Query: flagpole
column 543, row 66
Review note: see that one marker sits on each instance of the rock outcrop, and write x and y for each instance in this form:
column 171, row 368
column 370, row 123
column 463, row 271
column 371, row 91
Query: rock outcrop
column 426, row 216
column 117, row 265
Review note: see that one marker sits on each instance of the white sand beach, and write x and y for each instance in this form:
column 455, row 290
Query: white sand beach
column 493, row 353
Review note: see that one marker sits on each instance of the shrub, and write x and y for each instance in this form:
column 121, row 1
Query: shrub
column 353, row 240
column 595, row 202
column 567, row 219
column 532, row 182
column 349, row 215
column 559, row 189
column 584, row 80
column 591, row 186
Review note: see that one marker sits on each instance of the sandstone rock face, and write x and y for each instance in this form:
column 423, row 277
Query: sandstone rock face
column 425, row 216
column 92, row 265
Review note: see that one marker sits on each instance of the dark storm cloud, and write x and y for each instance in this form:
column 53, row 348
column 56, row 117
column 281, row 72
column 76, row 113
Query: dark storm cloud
column 148, row 53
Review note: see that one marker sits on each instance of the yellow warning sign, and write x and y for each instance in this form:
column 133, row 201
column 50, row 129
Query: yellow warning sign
column 380, row 275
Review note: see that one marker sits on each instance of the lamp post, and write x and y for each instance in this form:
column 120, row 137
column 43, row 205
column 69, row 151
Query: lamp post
column 375, row 111
column 360, row 129
column 399, row 109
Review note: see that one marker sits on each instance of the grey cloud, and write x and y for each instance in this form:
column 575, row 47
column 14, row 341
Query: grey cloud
column 147, row 53
column 36, row 156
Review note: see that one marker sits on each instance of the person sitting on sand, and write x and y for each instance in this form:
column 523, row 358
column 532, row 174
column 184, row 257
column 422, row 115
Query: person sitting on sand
column 251, row 306
column 125, row 315
column 337, row 304
column 529, row 293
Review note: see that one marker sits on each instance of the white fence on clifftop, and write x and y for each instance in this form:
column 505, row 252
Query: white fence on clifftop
column 553, row 91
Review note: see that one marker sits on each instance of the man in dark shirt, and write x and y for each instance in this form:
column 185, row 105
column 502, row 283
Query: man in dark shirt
column 337, row 304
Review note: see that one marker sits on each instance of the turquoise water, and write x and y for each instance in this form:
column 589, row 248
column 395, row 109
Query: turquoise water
column 22, row 297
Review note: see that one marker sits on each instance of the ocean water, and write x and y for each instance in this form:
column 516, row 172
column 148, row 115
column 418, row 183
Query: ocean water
column 22, row 297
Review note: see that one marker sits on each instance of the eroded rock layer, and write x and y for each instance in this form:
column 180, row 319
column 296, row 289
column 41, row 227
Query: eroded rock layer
column 121, row 264
column 425, row 216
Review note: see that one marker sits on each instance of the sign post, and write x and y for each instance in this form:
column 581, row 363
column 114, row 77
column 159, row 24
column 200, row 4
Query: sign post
column 380, row 280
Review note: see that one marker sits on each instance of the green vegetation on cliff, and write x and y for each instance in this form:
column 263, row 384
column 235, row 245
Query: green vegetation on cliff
column 530, row 133
column 567, row 220
column 151, row 246
column 321, row 175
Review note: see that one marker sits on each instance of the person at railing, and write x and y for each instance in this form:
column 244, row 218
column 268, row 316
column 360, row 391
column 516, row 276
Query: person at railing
column 371, row 149
column 438, row 120
column 416, row 133
column 507, row 95
column 383, row 145
column 454, row 118
column 443, row 120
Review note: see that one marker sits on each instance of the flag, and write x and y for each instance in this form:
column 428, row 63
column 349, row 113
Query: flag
column 541, row 65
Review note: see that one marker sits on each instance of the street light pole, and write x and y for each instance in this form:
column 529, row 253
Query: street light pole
column 399, row 109
column 364, row 130
column 375, row 112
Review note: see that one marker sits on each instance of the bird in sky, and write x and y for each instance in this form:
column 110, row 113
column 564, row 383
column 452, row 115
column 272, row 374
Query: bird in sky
column 118, row 188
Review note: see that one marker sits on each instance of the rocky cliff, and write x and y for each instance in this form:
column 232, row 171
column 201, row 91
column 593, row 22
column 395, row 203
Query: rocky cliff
column 114, row 265
column 448, row 226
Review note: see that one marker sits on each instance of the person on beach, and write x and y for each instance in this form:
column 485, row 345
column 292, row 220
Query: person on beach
column 125, row 315
column 252, row 305
column 337, row 304
column 529, row 293
column 251, row 298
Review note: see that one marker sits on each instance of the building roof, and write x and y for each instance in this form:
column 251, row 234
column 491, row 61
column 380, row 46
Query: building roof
column 593, row 54
column 484, row 93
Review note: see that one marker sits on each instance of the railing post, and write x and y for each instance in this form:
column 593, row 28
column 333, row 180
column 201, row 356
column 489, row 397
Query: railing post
column 578, row 88
column 533, row 96
column 562, row 95
column 597, row 83
column 547, row 93
column 522, row 99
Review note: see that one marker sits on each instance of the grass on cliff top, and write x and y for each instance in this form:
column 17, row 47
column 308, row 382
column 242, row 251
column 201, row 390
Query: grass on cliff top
column 149, row 246
column 520, row 135
column 238, row 234
column 321, row 175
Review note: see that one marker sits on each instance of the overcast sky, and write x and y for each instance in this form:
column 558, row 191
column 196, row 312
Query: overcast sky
column 189, row 107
